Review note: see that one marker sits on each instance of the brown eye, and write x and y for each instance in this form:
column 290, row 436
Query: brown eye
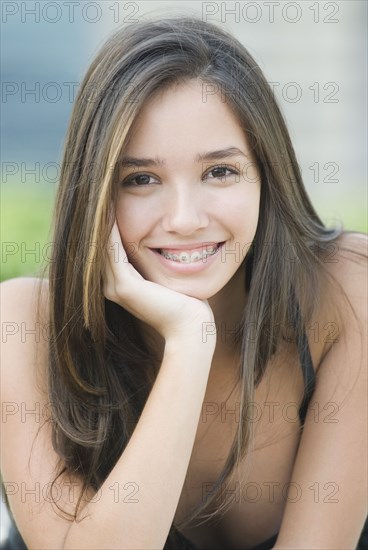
column 139, row 180
column 143, row 179
column 219, row 172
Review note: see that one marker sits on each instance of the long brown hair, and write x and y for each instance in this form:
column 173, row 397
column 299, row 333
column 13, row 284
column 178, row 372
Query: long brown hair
column 100, row 370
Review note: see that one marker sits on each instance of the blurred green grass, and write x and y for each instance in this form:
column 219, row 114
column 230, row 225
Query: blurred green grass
column 26, row 214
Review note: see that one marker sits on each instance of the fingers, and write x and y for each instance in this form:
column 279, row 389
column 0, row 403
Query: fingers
column 108, row 282
column 120, row 275
column 114, row 246
column 111, row 259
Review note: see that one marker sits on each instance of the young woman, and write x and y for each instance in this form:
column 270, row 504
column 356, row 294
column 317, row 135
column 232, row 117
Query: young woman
column 197, row 374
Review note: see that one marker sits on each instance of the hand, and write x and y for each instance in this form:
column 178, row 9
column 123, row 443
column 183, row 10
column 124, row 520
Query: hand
column 169, row 312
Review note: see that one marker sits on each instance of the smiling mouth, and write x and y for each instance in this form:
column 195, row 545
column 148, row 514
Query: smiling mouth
column 186, row 256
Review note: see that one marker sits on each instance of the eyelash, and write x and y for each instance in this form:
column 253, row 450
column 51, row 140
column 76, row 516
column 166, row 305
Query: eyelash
column 128, row 181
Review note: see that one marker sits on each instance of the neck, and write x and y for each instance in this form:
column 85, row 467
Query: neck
column 228, row 307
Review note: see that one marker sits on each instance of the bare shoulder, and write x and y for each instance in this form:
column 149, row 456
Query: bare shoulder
column 343, row 296
column 347, row 304
column 29, row 462
column 14, row 291
column 352, row 249
column 24, row 321
column 20, row 297
column 349, row 270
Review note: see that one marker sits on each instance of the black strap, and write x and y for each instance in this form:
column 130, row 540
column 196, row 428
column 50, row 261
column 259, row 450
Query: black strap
column 307, row 368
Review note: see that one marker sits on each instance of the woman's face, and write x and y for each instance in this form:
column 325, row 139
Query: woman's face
column 180, row 190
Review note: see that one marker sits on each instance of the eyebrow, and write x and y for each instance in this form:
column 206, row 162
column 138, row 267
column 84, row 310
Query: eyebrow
column 229, row 152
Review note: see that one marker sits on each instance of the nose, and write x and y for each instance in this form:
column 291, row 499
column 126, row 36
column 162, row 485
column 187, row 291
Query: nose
column 185, row 210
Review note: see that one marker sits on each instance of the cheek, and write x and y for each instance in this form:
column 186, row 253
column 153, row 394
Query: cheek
column 132, row 219
column 243, row 212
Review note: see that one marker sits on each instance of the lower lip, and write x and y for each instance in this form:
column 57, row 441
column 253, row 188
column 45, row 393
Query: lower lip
column 193, row 267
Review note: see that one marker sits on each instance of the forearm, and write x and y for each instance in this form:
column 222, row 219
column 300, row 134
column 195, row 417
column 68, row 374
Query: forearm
column 155, row 460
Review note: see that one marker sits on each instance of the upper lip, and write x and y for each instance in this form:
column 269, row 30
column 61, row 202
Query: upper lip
column 192, row 246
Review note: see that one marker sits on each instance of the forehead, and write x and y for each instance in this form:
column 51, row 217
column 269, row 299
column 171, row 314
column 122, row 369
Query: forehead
column 184, row 117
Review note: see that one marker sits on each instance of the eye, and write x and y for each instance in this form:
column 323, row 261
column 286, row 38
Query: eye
column 138, row 180
column 219, row 172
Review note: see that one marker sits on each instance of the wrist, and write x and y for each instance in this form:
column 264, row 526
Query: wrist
column 200, row 337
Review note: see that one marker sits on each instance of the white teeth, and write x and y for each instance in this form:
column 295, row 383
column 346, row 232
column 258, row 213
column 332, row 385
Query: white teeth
column 195, row 256
column 185, row 257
